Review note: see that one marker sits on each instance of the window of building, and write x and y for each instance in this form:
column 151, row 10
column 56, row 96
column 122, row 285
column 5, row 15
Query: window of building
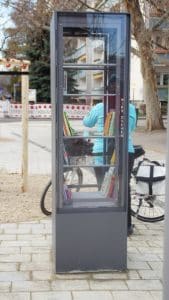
column 165, row 79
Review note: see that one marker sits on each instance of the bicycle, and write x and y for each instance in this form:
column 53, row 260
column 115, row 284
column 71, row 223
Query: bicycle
column 146, row 208
column 73, row 177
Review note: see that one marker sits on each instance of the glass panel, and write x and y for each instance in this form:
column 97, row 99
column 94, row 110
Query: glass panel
column 94, row 98
column 96, row 48
column 83, row 82
column 84, row 50
column 165, row 79
column 99, row 187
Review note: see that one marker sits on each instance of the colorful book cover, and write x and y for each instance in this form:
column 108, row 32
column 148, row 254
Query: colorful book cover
column 111, row 187
column 112, row 125
column 65, row 125
column 113, row 158
column 107, row 123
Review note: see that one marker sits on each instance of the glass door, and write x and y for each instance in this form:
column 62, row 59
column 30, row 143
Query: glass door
column 92, row 138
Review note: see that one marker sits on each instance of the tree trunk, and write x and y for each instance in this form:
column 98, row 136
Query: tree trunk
column 143, row 37
column 153, row 110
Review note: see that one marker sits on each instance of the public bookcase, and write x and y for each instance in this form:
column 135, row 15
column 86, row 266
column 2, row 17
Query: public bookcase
column 90, row 66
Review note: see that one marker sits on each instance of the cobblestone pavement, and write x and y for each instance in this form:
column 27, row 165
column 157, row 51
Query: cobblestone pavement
column 26, row 248
column 26, row 267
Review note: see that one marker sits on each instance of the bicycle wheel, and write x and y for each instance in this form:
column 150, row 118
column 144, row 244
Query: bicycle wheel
column 73, row 178
column 148, row 208
column 46, row 199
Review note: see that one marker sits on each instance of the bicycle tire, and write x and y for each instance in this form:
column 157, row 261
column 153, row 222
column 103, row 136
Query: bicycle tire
column 44, row 210
column 148, row 211
column 43, row 207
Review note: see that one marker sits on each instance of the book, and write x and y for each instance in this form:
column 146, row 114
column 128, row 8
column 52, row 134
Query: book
column 111, row 187
column 65, row 156
column 113, row 158
column 107, row 184
column 107, row 123
column 66, row 127
column 111, row 131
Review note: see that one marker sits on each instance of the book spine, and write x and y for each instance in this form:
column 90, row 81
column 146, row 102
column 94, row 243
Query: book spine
column 65, row 125
column 112, row 125
column 107, row 123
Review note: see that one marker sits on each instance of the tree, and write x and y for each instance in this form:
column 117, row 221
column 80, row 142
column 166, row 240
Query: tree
column 37, row 16
column 143, row 36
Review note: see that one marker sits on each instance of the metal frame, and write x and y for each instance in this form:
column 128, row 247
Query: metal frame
column 103, row 230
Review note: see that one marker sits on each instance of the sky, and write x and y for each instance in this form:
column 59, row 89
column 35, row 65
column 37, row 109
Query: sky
column 5, row 21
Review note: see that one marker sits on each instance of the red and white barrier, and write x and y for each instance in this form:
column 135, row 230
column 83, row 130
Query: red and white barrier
column 74, row 111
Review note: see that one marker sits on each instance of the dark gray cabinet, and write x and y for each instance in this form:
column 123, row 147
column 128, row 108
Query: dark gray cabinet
column 89, row 72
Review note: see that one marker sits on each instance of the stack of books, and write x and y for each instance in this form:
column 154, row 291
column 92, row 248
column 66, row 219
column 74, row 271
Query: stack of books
column 107, row 188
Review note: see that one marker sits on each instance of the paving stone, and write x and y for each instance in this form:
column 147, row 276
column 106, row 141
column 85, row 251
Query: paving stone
column 15, row 296
column 113, row 275
column 40, row 243
column 73, row 276
column 36, row 266
column 8, row 226
column 91, row 295
column 15, row 258
column 144, row 285
column 137, row 265
column 157, row 295
column 52, row 296
column 156, row 265
column 7, row 237
column 132, row 295
column 143, row 257
column 14, row 276
column 132, row 274
column 46, row 257
column 5, row 286
column 27, row 237
column 24, row 228
column 155, row 243
column 150, row 274
column 64, row 285
column 42, row 275
column 137, row 244
column 8, row 267
column 15, row 243
column 108, row 285
column 30, row 286
column 7, row 250
column 35, row 249
column 155, row 250
column 132, row 249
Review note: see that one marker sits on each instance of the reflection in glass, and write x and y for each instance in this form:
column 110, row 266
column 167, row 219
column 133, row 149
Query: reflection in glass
column 90, row 187
column 83, row 82
column 84, row 50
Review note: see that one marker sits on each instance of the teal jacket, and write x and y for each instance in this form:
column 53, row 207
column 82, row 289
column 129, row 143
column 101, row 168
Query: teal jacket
column 131, row 126
column 95, row 117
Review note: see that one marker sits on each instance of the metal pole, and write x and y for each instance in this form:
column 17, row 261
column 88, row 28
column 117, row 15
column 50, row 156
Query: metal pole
column 166, row 224
column 25, row 86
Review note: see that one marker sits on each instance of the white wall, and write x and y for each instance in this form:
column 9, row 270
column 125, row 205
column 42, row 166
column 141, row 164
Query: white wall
column 136, row 81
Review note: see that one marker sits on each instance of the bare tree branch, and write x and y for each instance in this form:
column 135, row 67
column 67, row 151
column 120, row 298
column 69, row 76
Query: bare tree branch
column 88, row 6
column 161, row 21
column 135, row 51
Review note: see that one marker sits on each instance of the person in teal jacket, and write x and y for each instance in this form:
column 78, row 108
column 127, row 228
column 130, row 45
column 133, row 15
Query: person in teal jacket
column 131, row 128
column 96, row 118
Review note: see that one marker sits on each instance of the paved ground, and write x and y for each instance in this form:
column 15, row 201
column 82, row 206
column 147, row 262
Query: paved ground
column 25, row 248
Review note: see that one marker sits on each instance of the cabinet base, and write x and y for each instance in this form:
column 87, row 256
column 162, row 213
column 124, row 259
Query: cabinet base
column 90, row 241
